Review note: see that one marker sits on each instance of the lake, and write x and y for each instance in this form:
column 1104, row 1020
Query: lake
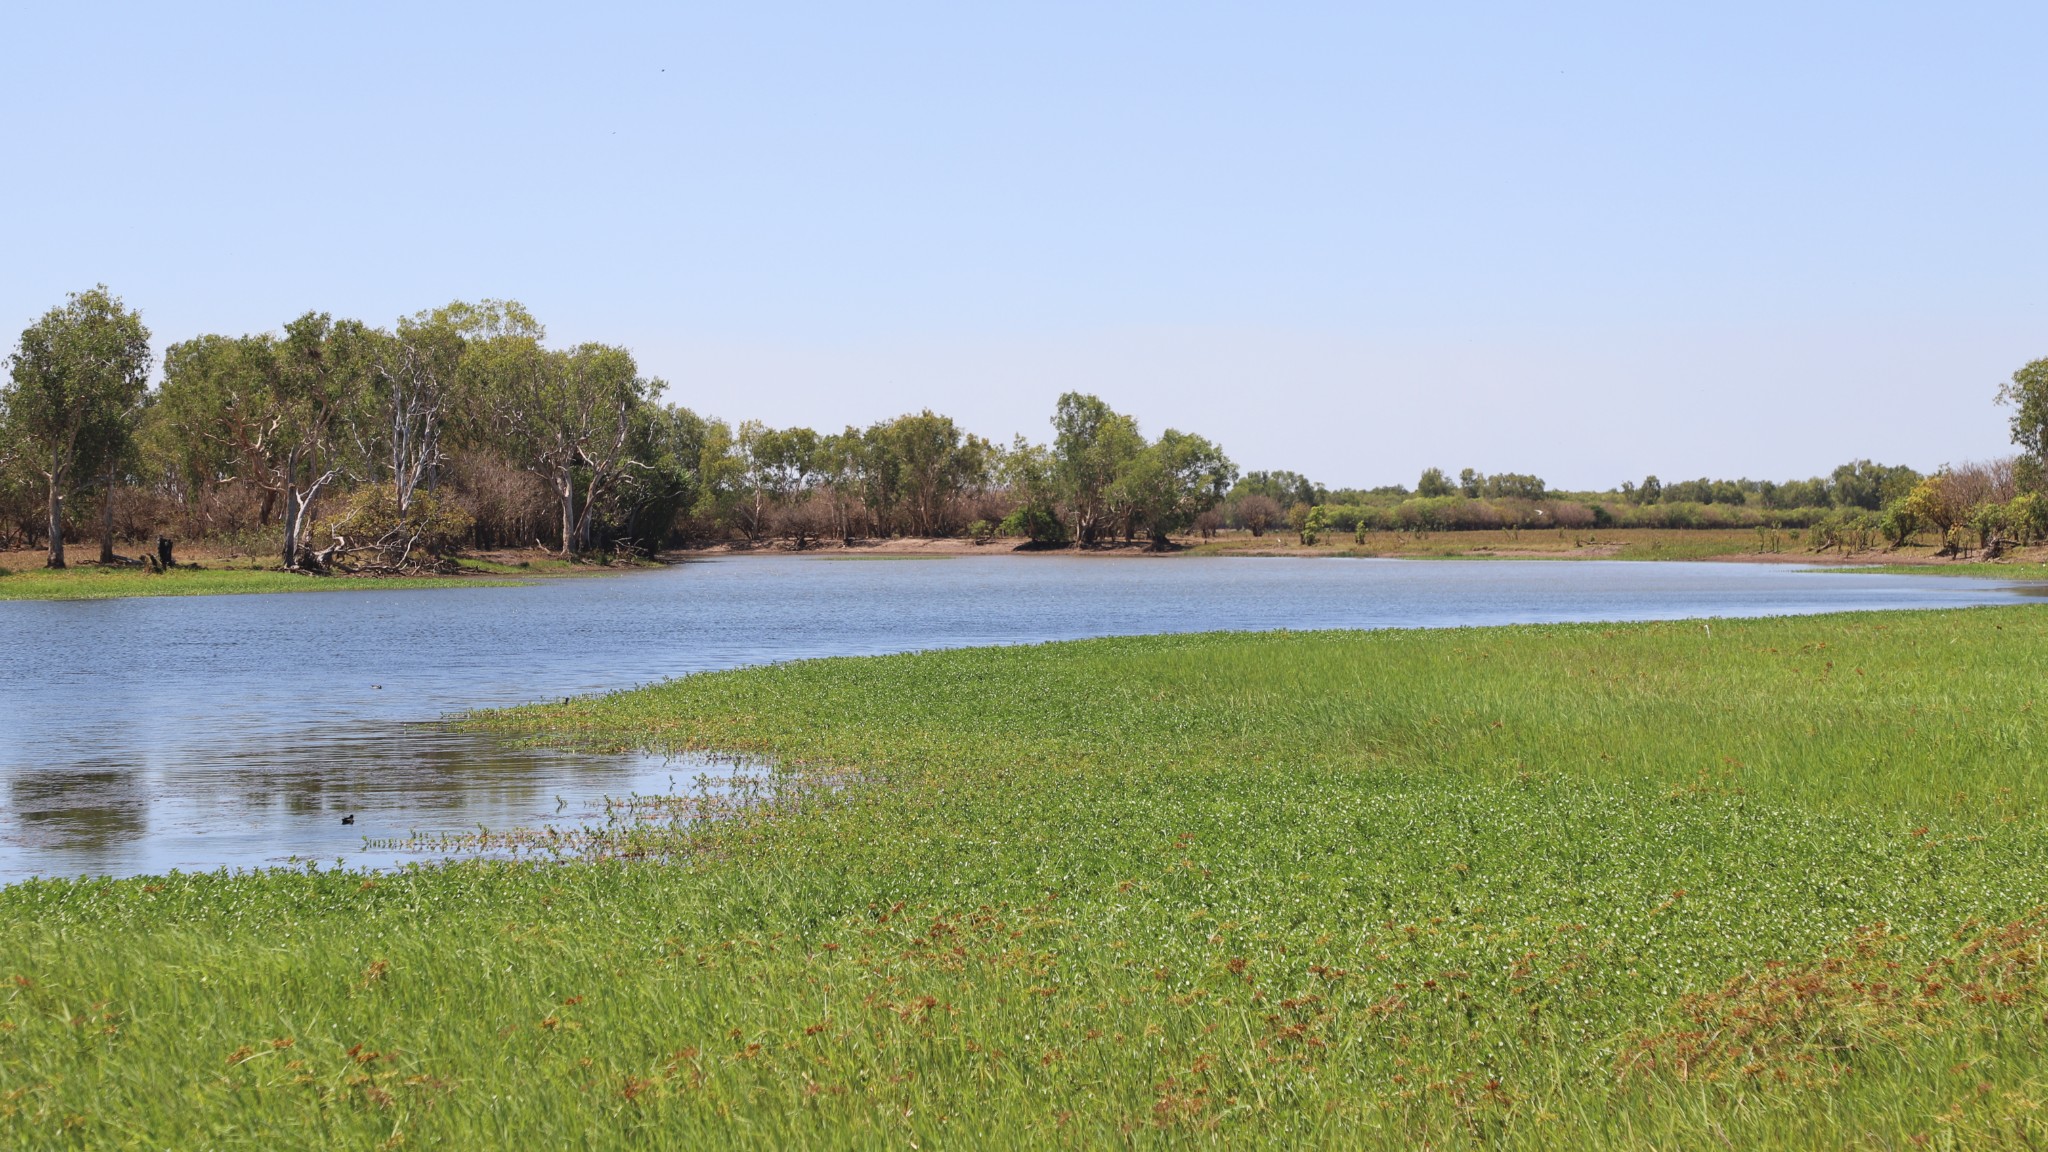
column 138, row 736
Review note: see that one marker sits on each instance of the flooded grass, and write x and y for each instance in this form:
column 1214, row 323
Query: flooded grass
column 1768, row 883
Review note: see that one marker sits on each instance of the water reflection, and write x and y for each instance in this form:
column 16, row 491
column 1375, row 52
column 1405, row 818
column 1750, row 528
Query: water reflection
column 78, row 811
column 229, row 745
column 248, row 812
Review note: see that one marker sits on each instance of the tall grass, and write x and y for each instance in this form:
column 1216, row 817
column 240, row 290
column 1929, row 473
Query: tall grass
column 1771, row 883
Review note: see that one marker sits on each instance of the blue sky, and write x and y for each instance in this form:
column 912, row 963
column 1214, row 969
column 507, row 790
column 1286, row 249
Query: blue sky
column 1587, row 241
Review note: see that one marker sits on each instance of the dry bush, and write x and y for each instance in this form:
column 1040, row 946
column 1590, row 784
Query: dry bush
column 991, row 505
column 368, row 528
column 805, row 520
column 1567, row 515
column 1255, row 513
column 1976, row 482
column 508, row 508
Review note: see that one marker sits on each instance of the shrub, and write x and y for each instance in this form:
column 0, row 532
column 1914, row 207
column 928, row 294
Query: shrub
column 1037, row 523
column 2027, row 517
column 1256, row 513
column 1563, row 514
column 1989, row 522
column 1314, row 524
column 371, row 525
column 1899, row 522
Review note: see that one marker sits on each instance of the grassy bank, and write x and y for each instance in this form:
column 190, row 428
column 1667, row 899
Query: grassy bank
column 94, row 583
column 26, row 579
column 2031, row 571
column 1772, row 883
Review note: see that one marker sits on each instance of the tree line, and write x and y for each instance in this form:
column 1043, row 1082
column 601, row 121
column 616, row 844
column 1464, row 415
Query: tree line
column 338, row 444
column 342, row 444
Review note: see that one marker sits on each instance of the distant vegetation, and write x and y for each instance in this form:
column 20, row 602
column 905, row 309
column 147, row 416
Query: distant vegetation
column 335, row 445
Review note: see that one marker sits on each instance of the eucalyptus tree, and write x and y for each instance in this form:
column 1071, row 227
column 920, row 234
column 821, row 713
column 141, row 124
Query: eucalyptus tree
column 776, row 466
column 418, row 368
column 565, row 416
column 319, row 397
column 287, row 412
column 840, row 465
column 120, row 453
column 663, row 483
column 1171, row 482
column 1029, row 475
column 2027, row 394
column 719, row 475
column 1091, row 445
column 930, row 462
column 75, row 380
column 205, row 423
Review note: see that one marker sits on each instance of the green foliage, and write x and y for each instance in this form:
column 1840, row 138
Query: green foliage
column 1935, row 505
column 2027, row 395
column 1433, row 484
column 920, row 465
column 1513, row 486
column 75, row 382
column 1036, row 523
column 1172, row 481
column 1092, row 444
column 1314, row 525
column 2027, row 517
column 1282, row 487
column 1847, row 530
column 1989, row 522
column 1899, row 522
column 1862, row 484
column 1297, row 518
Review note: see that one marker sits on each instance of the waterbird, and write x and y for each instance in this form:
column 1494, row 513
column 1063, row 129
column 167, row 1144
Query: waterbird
column 349, row 819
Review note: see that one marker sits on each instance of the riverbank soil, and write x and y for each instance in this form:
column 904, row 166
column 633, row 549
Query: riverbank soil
column 1771, row 883
column 1729, row 544
column 207, row 569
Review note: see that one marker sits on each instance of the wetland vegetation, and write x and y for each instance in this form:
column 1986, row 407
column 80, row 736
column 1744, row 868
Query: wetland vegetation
column 1768, row 883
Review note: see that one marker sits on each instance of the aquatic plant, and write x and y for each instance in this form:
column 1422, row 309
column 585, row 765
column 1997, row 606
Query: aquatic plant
column 1773, row 883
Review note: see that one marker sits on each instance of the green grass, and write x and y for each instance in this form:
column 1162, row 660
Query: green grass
column 94, row 583
column 1771, row 883
column 1978, row 568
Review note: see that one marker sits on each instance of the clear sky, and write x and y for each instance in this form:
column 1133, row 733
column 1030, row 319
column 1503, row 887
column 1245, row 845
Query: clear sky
column 1587, row 241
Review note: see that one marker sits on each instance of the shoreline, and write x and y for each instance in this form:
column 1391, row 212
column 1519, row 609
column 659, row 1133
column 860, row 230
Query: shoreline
column 214, row 573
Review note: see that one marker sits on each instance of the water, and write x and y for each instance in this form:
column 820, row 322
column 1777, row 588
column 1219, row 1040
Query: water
column 138, row 736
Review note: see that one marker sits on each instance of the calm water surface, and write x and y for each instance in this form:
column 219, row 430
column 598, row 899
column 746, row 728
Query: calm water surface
column 194, row 733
